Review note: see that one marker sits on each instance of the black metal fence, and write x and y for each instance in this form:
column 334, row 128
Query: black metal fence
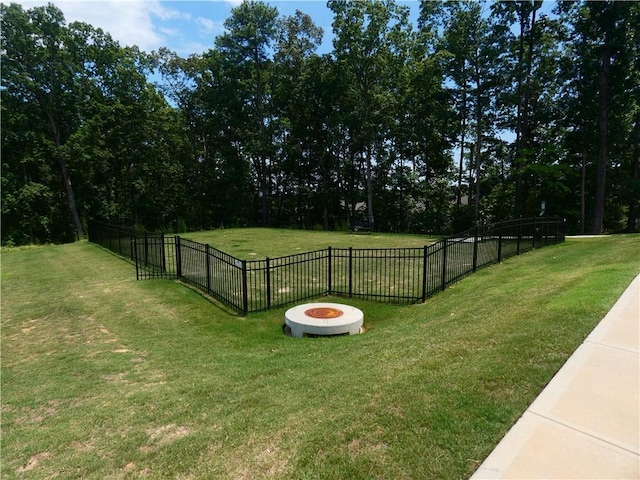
column 114, row 238
column 403, row 275
column 149, row 251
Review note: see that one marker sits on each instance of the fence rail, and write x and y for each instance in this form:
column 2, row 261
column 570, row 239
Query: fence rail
column 402, row 275
column 114, row 238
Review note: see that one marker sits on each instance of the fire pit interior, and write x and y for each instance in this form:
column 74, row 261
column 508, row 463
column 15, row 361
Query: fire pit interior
column 323, row 319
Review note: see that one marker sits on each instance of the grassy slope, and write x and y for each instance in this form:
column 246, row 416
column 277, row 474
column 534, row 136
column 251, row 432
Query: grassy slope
column 106, row 377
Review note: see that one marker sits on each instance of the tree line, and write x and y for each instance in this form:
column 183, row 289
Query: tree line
column 480, row 112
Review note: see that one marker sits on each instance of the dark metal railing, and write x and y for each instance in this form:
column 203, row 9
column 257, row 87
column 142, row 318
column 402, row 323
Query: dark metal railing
column 279, row 281
column 218, row 274
column 117, row 239
column 403, row 275
column 386, row 274
column 154, row 256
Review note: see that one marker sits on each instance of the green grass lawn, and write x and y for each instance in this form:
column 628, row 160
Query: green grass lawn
column 106, row 377
column 259, row 243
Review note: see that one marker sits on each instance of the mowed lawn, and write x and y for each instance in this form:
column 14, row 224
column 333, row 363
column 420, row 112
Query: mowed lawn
column 259, row 243
column 104, row 377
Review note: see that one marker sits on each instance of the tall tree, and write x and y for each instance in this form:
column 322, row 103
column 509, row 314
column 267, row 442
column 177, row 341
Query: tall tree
column 468, row 47
column 522, row 16
column 609, row 21
column 300, row 160
column 38, row 67
column 370, row 47
column 76, row 97
column 604, row 93
column 250, row 31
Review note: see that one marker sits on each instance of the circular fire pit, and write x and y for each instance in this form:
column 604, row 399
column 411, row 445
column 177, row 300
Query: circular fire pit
column 323, row 319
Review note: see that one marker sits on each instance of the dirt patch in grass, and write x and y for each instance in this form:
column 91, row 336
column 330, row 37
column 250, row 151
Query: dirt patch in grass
column 28, row 416
column 164, row 435
column 116, row 378
column 80, row 446
column 168, row 433
column 34, row 461
column 130, row 469
column 264, row 456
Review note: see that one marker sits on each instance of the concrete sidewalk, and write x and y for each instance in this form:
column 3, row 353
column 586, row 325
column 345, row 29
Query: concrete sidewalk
column 586, row 422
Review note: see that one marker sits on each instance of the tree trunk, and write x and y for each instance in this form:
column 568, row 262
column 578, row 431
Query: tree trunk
column 526, row 140
column 471, row 182
column 518, row 163
column 324, row 190
column 66, row 179
column 462, row 141
column 478, row 137
column 583, row 190
column 632, row 213
column 71, row 197
column 478, row 172
column 369, row 188
column 598, row 209
column 263, row 174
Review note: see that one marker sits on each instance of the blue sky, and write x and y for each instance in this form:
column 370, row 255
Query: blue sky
column 186, row 27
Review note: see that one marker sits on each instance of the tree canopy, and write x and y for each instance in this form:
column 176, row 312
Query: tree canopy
column 480, row 112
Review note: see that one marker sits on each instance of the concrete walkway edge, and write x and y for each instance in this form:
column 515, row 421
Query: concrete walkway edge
column 586, row 422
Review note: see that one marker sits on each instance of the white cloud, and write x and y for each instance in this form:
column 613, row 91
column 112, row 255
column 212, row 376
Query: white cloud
column 191, row 48
column 170, row 32
column 186, row 27
column 165, row 13
column 208, row 26
column 130, row 22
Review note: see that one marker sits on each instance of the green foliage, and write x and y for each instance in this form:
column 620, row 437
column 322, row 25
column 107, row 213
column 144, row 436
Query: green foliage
column 489, row 110
column 94, row 140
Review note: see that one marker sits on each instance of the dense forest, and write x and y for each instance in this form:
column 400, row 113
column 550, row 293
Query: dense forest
column 480, row 112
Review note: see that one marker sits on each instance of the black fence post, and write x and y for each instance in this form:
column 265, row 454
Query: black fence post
column 350, row 272
column 268, row 272
column 444, row 264
column 162, row 252
column 178, row 257
column 245, row 290
column 208, row 267
column 475, row 250
column 500, row 246
column 535, row 232
column 135, row 256
column 146, row 250
column 560, row 229
column 519, row 235
column 424, row 274
column 328, row 270
column 132, row 242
